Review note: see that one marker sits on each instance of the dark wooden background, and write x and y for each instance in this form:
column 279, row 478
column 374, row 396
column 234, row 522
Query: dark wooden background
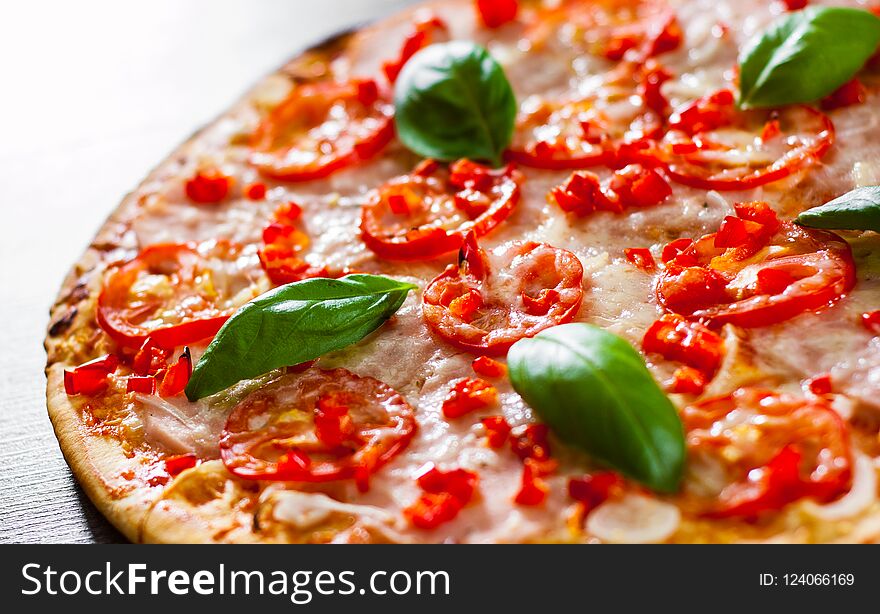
column 93, row 94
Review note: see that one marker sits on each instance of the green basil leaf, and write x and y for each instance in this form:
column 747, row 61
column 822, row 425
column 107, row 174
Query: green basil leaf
column 452, row 100
column 858, row 209
column 805, row 55
column 295, row 323
column 594, row 390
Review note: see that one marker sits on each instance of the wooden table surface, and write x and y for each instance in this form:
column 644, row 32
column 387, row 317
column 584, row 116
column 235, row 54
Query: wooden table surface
column 95, row 93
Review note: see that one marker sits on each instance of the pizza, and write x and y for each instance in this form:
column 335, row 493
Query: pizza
column 501, row 271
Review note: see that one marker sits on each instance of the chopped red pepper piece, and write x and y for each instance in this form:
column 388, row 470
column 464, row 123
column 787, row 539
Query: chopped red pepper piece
column 90, row 378
column 531, row 441
column 333, row 424
column 208, row 187
column 641, row 258
column 691, row 343
column 495, row 13
column 871, row 321
column 704, row 114
column 446, row 493
column 144, row 384
column 177, row 375
column 497, row 430
column 736, row 232
column 674, row 248
column 582, row 194
column 426, row 30
column 594, row 489
column 468, row 394
column 687, row 380
column 533, row 490
column 181, row 462
column 820, row 385
column 794, row 5
column 850, row 93
column 255, row 191
column 639, row 186
column 488, row 367
column 150, row 358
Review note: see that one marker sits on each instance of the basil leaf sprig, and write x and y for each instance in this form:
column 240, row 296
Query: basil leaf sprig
column 453, row 100
column 295, row 323
column 594, row 390
column 858, row 209
column 805, row 55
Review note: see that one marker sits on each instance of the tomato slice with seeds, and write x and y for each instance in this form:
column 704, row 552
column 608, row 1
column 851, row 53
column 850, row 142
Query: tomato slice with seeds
column 492, row 299
column 421, row 216
column 773, row 449
column 769, row 278
column 713, row 146
column 316, row 426
column 559, row 135
column 174, row 293
column 321, row 128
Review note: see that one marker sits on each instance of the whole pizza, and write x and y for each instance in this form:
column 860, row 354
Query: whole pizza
column 501, row 271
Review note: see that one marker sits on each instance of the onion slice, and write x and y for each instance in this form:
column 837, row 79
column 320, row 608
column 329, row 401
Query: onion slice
column 634, row 519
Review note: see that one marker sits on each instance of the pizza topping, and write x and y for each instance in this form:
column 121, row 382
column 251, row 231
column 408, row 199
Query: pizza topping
column 208, row 187
column 593, row 489
column 255, row 191
column 771, row 272
column 786, row 63
column 446, row 494
column 850, row 93
column 871, row 321
column 634, row 518
column 452, row 100
column 533, row 490
column 177, row 375
column 858, row 209
column 144, row 384
column 421, row 216
column 585, row 382
column 321, row 128
column 713, row 146
column 468, row 394
column 168, row 293
column 490, row 300
column 820, row 385
column 632, row 186
column 316, row 426
column 674, row 338
column 497, row 431
column 427, row 29
column 775, row 449
column 558, row 136
column 180, row 463
column 496, row 13
column 488, row 367
column 90, row 378
column 641, row 258
column 283, row 243
column 293, row 324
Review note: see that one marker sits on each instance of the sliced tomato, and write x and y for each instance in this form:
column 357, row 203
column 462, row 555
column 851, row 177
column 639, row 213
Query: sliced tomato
column 773, row 449
column 491, row 300
column 171, row 293
column 713, row 146
column 614, row 29
column 560, row 135
column 316, row 426
column 422, row 216
column 779, row 270
column 321, row 128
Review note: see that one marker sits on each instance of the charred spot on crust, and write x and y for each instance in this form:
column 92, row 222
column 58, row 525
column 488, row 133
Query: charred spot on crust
column 62, row 324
